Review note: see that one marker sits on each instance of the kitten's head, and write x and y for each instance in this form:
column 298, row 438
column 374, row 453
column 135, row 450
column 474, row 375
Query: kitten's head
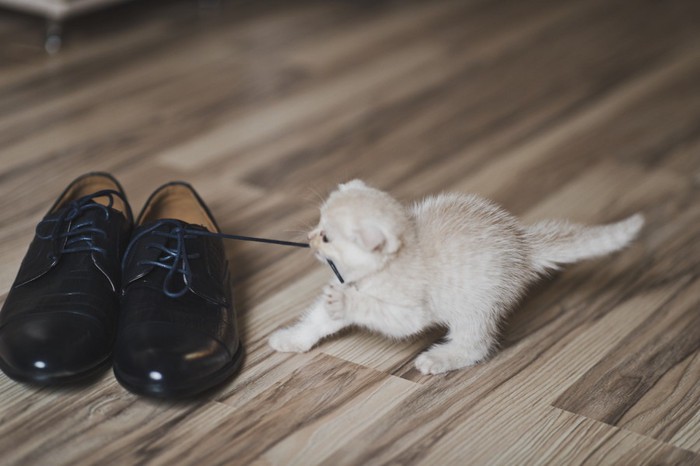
column 360, row 230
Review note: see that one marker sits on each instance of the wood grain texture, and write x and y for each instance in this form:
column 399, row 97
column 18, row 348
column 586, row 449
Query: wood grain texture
column 584, row 109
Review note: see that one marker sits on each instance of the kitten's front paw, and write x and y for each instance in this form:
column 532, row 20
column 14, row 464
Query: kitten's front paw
column 334, row 302
column 439, row 360
column 428, row 364
column 287, row 340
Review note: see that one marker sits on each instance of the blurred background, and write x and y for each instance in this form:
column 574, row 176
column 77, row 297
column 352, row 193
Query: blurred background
column 266, row 105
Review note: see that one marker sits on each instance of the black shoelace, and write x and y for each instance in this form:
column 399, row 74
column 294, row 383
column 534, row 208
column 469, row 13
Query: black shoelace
column 176, row 260
column 79, row 235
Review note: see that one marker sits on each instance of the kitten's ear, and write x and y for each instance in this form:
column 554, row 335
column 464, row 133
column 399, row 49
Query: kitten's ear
column 352, row 184
column 372, row 238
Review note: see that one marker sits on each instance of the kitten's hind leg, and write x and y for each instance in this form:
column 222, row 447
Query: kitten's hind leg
column 468, row 343
column 302, row 336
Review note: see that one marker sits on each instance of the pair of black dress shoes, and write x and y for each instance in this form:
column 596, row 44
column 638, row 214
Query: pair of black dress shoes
column 152, row 297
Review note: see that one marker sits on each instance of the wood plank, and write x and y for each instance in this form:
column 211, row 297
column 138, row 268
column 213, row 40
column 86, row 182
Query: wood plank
column 629, row 381
column 328, row 384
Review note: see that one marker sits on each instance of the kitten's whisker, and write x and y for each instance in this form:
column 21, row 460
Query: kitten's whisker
column 317, row 195
column 300, row 233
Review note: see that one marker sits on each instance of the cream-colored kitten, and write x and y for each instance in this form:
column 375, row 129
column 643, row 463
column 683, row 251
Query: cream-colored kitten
column 454, row 260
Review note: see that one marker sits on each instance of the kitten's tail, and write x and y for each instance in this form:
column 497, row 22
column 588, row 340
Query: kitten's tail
column 557, row 242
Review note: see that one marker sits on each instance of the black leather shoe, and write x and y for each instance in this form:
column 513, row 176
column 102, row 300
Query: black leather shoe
column 59, row 321
column 177, row 330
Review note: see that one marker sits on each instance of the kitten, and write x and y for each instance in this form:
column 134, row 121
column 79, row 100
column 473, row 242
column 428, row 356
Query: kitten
column 454, row 260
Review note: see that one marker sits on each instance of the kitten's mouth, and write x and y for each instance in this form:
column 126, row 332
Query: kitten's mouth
column 320, row 256
column 323, row 259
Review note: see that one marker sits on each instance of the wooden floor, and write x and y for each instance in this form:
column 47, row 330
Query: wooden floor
column 586, row 109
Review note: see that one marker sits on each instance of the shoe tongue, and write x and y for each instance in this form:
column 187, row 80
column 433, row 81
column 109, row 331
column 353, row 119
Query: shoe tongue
column 90, row 212
column 168, row 224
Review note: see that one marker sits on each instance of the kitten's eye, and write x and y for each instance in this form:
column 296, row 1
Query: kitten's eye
column 324, row 237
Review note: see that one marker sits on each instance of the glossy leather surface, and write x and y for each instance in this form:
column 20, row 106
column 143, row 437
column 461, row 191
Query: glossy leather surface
column 58, row 323
column 175, row 346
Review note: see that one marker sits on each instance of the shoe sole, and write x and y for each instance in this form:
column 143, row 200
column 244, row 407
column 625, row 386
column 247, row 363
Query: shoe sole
column 188, row 389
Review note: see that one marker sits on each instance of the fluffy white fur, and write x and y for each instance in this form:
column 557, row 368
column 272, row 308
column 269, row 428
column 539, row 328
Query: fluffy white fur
column 454, row 260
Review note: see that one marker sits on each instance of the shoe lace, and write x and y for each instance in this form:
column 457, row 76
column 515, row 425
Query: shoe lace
column 79, row 235
column 176, row 259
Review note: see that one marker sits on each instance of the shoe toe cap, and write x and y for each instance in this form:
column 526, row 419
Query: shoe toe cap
column 163, row 359
column 53, row 348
